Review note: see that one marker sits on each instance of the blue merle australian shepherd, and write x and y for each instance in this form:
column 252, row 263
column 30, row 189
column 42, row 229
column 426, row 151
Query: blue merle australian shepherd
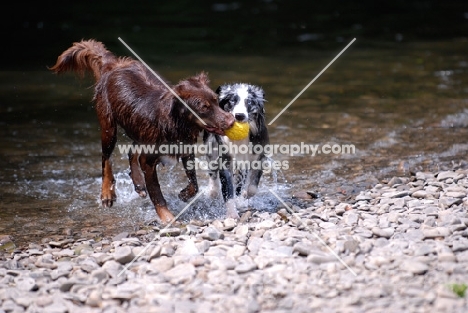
column 238, row 178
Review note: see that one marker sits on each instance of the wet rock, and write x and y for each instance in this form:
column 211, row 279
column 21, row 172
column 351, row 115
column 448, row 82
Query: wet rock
column 120, row 236
column 170, row 232
column 303, row 195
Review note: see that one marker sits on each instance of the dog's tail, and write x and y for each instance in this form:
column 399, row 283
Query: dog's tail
column 86, row 55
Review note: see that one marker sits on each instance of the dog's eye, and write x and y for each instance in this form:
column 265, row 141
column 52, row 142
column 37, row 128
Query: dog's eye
column 204, row 106
column 249, row 102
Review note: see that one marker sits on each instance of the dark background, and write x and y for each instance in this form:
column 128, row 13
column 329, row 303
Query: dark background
column 33, row 33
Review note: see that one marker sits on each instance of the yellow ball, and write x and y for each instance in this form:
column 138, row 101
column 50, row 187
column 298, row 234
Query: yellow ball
column 238, row 131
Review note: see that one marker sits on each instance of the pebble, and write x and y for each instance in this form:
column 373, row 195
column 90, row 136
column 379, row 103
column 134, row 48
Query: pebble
column 245, row 268
column 212, row 234
column 403, row 240
column 383, row 232
column 123, row 255
column 415, row 267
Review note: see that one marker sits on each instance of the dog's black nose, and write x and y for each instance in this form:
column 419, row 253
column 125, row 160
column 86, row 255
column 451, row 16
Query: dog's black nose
column 241, row 117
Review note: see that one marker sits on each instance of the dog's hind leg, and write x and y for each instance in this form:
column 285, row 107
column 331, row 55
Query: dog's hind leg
column 192, row 187
column 136, row 173
column 148, row 165
column 108, row 140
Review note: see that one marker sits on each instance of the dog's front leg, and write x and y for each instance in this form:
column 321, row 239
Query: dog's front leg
column 148, row 166
column 136, row 174
column 253, row 180
column 192, row 188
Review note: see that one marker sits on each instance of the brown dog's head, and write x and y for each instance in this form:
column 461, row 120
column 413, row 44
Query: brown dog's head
column 204, row 103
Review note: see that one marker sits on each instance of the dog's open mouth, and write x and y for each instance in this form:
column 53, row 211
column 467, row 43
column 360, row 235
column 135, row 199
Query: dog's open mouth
column 215, row 130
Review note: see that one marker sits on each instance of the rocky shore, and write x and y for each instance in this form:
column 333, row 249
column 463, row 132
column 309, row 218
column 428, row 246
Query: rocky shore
column 401, row 246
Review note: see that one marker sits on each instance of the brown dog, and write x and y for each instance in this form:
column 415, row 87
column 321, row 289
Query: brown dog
column 128, row 95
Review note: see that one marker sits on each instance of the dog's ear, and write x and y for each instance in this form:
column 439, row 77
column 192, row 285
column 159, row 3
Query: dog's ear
column 218, row 90
column 203, row 78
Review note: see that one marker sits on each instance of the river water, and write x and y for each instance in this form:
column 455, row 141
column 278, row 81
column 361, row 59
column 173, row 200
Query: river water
column 403, row 106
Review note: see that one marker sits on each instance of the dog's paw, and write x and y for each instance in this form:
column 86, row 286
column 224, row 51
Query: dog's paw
column 214, row 188
column 231, row 209
column 141, row 191
column 108, row 197
column 250, row 192
column 164, row 215
column 108, row 202
column 187, row 193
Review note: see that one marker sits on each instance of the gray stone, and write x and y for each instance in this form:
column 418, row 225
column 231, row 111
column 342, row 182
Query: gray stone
column 192, row 229
column 181, row 274
column 230, row 223
column 88, row 265
column 167, row 250
column 236, row 251
column 212, row 233
column 446, row 174
column 302, row 248
column 414, row 267
column 241, row 230
column 446, row 257
column 162, row 264
column 94, row 299
column 120, row 236
column 188, row 248
column 455, row 194
column 60, row 244
column 266, row 224
column 245, row 268
column 425, row 249
column 460, row 245
column 83, row 249
column 123, row 255
column 319, row 257
column 420, row 194
column 113, row 268
column 170, row 232
column 25, row 283
column 100, row 275
column 350, row 218
column 56, row 307
column 431, row 233
column 383, row 232
column 55, row 274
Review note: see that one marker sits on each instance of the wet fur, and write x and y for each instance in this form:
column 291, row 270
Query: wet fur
column 128, row 95
column 245, row 102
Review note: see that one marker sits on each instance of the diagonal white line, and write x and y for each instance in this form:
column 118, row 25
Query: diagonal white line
column 311, row 82
column 161, row 80
column 157, row 235
column 313, row 233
